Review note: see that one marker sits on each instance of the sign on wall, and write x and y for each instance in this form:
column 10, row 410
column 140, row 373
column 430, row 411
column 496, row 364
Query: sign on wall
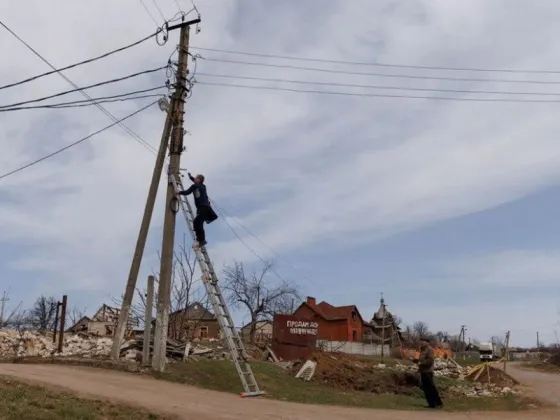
column 302, row 327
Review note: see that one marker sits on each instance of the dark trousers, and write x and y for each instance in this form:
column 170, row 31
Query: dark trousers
column 430, row 391
column 203, row 214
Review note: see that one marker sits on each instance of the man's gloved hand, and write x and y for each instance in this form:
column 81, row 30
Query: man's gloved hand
column 189, row 174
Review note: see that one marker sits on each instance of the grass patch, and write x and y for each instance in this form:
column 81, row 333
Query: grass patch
column 220, row 375
column 20, row 401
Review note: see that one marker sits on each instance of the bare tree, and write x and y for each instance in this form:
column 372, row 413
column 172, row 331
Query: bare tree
column 420, row 328
column 184, row 292
column 43, row 313
column 397, row 320
column 256, row 294
column 75, row 314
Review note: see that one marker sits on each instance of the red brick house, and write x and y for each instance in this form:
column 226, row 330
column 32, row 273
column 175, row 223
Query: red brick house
column 336, row 323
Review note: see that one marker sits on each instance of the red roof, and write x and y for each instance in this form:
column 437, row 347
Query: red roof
column 332, row 313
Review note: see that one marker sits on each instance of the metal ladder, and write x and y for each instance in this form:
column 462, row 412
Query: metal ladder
column 210, row 280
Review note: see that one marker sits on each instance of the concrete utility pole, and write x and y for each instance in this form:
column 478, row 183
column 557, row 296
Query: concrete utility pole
column 146, row 219
column 148, row 322
column 538, row 342
column 171, row 209
column 506, row 351
column 4, row 300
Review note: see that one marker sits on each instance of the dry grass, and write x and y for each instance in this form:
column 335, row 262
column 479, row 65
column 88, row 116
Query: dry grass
column 20, row 401
column 220, row 375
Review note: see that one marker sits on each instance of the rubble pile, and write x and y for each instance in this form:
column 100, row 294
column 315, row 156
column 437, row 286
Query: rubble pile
column 345, row 371
column 442, row 367
column 33, row 344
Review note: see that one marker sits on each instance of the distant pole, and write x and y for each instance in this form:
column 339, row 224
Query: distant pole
column 538, row 342
column 3, row 300
column 62, row 323
column 56, row 322
column 148, row 321
column 506, row 352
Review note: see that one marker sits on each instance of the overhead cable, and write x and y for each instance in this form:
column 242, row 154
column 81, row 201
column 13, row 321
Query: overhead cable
column 135, row 136
column 86, row 102
column 91, row 60
column 379, row 95
column 374, row 64
column 390, row 75
column 336, row 84
column 130, row 76
column 58, row 151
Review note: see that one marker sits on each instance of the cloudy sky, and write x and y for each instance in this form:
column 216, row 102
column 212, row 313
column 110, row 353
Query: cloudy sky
column 448, row 207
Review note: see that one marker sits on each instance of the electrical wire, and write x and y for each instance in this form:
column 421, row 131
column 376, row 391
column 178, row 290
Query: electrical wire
column 86, row 102
column 378, row 95
column 357, row 63
column 135, row 136
column 149, row 13
column 397, row 76
column 304, row 82
column 130, row 76
column 58, row 151
column 178, row 6
column 159, row 10
column 91, row 60
column 248, row 247
column 246, row 229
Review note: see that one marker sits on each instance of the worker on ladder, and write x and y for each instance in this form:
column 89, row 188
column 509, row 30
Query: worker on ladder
column 204, row 211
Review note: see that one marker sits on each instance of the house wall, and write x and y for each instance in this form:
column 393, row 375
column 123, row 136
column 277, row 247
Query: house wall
column 355, row 324
column 183, row 329
column 352, row 348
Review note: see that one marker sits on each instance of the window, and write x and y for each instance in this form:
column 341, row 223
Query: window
column 203, row 332
column 354, row 335
column 354, row 316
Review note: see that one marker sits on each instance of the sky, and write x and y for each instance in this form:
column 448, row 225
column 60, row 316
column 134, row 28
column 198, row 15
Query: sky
column 447, row 207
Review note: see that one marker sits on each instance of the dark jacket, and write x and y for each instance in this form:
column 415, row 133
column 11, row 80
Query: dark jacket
column 199, row 193
column 426, row 360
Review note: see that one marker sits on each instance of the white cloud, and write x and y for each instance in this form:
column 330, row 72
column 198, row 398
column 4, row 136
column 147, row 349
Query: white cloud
column 313, row 168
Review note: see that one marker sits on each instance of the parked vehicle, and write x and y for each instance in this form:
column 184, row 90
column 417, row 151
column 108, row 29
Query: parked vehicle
column 489, row 351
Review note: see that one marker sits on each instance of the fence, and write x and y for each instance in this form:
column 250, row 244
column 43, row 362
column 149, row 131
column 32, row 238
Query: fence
column 350, row 347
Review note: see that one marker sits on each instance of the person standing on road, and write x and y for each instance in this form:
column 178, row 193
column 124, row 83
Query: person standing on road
column 426, row 369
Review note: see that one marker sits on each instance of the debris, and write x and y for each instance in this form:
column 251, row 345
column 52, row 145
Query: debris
column 307, row 370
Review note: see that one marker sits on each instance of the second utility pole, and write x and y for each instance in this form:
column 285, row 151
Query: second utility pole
column 171, row 208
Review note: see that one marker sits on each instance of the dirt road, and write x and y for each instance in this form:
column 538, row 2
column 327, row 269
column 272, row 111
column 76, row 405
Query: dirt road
column 544, row 386
column 188, row 402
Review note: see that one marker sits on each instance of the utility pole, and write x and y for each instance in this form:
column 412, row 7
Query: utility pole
column 538, row 342
column 145, row 225
column 171, row 207
column 506, row 351
column 62, row 322
column 383, row 326
column 148, row 322
column 4, row 300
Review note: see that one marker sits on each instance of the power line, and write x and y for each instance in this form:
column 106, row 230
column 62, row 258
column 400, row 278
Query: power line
column 56, row 152
column 159, row 10
column 130, row 76
column 149, row 13
column 135, row 136
column 247, row 246
column 91, row 60
column 378, row 95
column 86, row 102
column 262, row 243
column 398, row 76
column 265, row 79
column 357, row 63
